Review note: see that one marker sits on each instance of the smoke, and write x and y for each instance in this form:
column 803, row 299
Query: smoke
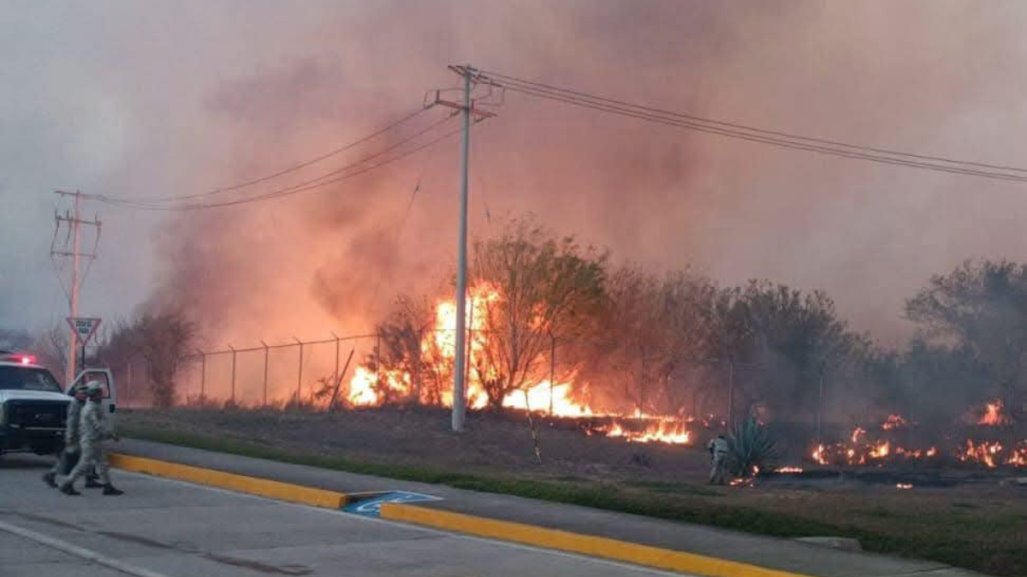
column 174, row 101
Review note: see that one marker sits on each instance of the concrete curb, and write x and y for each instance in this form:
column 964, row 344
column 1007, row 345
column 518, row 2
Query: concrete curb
column 589, row 545
column 577, row 543
column 240, row 483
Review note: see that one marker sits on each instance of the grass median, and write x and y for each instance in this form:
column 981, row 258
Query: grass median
column 986, row 533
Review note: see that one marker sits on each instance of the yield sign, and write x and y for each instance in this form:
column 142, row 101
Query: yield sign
column 84, row 328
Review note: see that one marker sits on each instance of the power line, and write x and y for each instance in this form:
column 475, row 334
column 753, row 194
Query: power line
column 288, row 170
column 348, row 171
column 752, row 134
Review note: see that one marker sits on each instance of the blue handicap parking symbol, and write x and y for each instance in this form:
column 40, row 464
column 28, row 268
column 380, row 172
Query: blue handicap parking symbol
column 372, row 507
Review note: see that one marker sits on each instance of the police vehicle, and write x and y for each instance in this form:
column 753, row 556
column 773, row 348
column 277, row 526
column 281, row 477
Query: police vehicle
column 34, row 405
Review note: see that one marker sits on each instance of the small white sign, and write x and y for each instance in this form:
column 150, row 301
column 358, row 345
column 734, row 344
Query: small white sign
column 84, row 328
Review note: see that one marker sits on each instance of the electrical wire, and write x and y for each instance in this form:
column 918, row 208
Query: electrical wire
column 288, row 170
column 308, row 185
column 739, row 131
column 350, row 166
column 348, row 171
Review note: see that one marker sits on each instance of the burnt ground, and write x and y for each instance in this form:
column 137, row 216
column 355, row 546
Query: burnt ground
column 419, row 436
column 960, row 515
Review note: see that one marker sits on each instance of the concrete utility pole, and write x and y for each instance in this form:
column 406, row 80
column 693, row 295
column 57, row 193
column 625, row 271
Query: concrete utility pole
column 459, row 395
column 466, row 109
column 74, row 222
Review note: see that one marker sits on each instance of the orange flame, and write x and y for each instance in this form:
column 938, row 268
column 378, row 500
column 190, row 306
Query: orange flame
column 993, row 414
column 881, row 450
column 984, row 453
column 1018, row 456
column 894, row 422
column 369, row 388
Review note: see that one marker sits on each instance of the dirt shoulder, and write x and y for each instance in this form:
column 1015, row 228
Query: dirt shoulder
column 978, row 524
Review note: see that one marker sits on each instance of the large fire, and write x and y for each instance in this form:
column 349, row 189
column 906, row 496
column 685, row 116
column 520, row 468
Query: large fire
column 370, row 388
column 375, row 386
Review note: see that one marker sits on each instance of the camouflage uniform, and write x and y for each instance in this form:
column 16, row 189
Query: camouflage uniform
column 71, row 428
column 93, row 431
column 718, row 452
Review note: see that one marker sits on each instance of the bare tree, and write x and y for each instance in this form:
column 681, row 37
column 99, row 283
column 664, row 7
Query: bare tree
column 409, row 345
column 162, row 339
column 650, row 329
column 547, row 288
column 51, row 347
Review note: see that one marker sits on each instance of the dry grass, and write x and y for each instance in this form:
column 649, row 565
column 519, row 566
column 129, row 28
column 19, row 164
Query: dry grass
column 978, row 524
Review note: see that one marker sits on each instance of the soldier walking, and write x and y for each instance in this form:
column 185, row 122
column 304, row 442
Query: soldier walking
column 93, row 431
column 70, row 435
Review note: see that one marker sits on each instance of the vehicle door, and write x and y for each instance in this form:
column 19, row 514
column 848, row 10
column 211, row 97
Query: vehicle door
column 106, row 380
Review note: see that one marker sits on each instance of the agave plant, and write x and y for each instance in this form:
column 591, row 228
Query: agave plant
column 751, row 449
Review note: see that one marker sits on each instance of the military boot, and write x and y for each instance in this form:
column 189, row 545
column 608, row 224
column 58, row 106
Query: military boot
column 67, row 489
column 109, row 489
column 92, row 484
column 49, row 479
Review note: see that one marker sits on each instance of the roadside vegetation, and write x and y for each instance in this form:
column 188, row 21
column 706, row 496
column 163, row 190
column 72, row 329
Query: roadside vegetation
column 980, row 526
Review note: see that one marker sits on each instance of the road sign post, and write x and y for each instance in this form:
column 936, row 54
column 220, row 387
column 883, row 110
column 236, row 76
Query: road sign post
column 84, row 329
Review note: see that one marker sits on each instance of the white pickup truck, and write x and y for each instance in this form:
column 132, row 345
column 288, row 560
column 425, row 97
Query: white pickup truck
column 34, row 406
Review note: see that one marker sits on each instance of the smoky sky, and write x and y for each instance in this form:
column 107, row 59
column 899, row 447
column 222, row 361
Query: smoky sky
column 162, row 98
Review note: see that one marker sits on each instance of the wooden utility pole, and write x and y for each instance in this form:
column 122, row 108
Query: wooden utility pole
column 71, row 248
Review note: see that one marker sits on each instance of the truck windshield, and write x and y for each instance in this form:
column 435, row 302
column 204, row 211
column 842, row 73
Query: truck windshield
column 28, row 379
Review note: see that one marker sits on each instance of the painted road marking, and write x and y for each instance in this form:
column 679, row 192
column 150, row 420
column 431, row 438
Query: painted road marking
column 80, row 552
column 372, row 507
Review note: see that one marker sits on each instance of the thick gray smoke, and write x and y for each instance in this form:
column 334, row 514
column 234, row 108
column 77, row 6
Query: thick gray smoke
column 145, row 100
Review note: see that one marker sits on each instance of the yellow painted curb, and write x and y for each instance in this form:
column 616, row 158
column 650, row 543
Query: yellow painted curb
column 233, row 482
column 576, row 543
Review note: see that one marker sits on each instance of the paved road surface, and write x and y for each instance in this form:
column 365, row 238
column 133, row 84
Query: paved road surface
column 163, row 528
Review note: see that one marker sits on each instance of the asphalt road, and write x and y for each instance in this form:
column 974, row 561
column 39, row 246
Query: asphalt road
column 163, row 528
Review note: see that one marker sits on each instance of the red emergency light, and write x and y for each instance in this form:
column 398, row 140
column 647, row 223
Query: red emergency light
column 20, row 358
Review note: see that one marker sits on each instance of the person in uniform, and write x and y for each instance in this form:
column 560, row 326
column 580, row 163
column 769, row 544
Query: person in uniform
column 70, row 435
column 93, row 431
column 718, row 455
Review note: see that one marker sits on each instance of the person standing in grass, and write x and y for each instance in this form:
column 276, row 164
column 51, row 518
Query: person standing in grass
column 718, row 455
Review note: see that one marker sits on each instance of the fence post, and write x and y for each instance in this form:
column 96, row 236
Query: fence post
column 730, row 394
column 378, row 356
column 233, row 373
column 552, row 369
column 336, row 373
column 203, row 375
column 128, row 380
column 299, row 380
column 266, row 354
column 820, row 405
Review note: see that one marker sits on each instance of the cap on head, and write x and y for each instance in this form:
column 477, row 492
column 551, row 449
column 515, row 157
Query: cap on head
column 94, row 387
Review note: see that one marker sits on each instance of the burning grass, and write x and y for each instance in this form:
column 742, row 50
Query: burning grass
column 975, row 523
column 976, row 445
